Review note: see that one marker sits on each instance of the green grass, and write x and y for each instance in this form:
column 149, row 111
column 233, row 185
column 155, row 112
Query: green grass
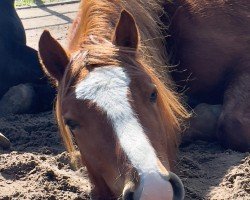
column 19, row 3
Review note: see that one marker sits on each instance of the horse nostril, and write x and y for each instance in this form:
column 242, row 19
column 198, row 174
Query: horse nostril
column 128, row 192
column 128, row 195
column 177, row 185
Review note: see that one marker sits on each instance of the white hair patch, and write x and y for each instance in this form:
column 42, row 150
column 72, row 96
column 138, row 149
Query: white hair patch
column 108, row 88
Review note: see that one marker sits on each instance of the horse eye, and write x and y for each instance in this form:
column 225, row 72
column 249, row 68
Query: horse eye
column 71, row 124
column 153, row 96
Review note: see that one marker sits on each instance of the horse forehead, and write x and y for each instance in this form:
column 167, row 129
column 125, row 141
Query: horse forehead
column 107, row 84
column 112, row 80
column 109, row 74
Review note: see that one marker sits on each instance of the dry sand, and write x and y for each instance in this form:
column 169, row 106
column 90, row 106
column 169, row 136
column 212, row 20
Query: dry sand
column 37, row 166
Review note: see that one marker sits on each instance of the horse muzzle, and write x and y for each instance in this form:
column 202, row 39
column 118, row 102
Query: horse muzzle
column 155, row 186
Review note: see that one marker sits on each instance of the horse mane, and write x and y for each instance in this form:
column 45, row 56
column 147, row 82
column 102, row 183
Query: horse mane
column 98, row 19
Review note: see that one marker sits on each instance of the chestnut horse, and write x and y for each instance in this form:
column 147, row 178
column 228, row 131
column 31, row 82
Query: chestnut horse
column 112, row 102
column 209, row 40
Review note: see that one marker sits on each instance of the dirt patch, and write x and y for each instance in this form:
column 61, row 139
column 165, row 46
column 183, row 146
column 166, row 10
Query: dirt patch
column 37, row 166
column 31, row 176
column 210, row 172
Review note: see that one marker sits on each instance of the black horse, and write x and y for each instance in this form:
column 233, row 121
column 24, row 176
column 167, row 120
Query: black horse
column 18, row 62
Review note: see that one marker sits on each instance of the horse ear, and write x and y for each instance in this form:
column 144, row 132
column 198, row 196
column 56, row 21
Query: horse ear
column 53, row 56
column 126, row 32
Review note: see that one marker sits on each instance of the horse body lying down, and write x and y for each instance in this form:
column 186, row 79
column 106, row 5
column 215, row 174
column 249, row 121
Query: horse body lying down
column 210, row 41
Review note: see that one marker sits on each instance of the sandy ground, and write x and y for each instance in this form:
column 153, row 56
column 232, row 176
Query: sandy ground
column 56, row 19
column 37, row 166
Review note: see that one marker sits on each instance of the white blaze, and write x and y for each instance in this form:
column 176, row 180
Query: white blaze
column 108, row 88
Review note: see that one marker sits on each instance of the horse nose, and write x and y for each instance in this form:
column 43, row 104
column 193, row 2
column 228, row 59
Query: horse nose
column 155, row 186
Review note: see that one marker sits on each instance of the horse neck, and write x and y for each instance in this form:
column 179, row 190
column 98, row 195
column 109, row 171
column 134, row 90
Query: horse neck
column 147, row 15
column 94, row 18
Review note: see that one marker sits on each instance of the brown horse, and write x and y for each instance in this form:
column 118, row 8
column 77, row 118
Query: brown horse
column 210, row 41
column 113, row 104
